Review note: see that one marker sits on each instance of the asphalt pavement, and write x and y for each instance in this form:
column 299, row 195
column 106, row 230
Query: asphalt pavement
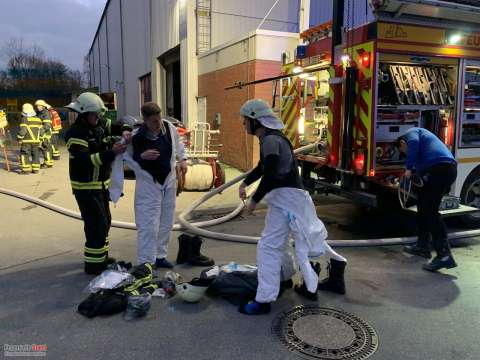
column 416, row 314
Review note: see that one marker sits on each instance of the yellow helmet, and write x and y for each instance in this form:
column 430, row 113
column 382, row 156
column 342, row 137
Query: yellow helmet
column 41, row 103
column 28, row 110
column 87, row 102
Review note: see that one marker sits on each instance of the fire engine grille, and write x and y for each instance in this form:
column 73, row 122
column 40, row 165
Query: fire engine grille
column 322, row 333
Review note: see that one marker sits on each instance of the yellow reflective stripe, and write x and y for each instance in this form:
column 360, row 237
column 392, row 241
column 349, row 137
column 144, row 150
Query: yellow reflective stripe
column 94, row 251
column 95, row 158
column 76, row 141
column 93, row 185
column 94, row 260
column 109, row 126
column 30, row 133
column 47, row 121
column 30, row 141
column 34, row 119
column 25, row 125
column 96, row 173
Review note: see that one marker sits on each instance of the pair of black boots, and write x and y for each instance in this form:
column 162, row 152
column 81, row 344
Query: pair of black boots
column 335, row 282
column 189, row 251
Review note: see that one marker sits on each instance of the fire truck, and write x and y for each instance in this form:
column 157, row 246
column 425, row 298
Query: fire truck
column 360, row 81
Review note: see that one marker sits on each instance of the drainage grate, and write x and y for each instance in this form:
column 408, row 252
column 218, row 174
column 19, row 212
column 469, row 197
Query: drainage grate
column 321, row 333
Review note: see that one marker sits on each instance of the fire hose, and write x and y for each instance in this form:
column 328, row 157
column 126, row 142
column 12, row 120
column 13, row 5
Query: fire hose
column 197, row 228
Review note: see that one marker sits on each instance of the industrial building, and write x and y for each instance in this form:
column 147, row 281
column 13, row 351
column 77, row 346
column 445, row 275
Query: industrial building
column 182, row 53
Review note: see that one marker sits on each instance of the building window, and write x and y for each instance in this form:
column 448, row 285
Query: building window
column 145, row 89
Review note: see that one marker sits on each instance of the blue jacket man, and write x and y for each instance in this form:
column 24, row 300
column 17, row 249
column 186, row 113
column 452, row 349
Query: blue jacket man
column 432, row 161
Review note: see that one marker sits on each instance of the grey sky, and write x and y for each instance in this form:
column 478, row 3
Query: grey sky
column 63, row 28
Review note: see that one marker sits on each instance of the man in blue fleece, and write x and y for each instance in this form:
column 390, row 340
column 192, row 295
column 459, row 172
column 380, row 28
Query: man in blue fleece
column 431, row 160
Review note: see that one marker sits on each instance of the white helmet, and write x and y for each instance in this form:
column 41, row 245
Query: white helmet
column 87, row 102
column 28, row 110
column 259, row 109
column 41, row 103
column 190, row 293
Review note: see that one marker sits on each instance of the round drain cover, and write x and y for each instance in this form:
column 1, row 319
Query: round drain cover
column 322, row 333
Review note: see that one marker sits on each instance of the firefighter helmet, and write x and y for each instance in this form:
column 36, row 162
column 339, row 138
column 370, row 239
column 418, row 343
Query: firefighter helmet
column 41, row 103
column 191, row 293
column 259, row 109
column 28, row 110
column 87, row 102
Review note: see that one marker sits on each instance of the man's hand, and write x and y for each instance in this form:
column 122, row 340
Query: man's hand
column 242, row 191
column 127, row 135
column 150, row 155
column 119, row 148
column 408, row 173
column 183, row 167
column 250, row 208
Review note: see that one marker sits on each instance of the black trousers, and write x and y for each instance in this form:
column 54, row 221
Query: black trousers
column 29, row 157
column 437, row 181
column 95, row 210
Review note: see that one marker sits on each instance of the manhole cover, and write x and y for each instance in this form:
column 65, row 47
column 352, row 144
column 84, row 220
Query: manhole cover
column 322, row 333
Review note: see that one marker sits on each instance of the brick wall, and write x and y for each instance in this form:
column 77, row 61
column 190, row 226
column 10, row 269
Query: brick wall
column 239, row 150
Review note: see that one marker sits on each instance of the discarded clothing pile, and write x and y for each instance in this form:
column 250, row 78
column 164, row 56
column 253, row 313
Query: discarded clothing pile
column 117, row 290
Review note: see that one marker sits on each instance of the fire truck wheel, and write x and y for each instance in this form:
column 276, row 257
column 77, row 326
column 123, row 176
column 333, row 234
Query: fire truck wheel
column 220, row 178
column 471, row 196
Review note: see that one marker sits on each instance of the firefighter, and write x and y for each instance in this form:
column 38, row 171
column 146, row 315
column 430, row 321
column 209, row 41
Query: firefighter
column 29, row 137
column 46, row 146
column 434, row 164
column 91, row 156
column 290, row 211
column 56, row 128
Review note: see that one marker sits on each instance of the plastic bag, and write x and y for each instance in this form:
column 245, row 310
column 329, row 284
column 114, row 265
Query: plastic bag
column 160, row 292
column 120, row 266
column 109, row 279
column 210, row 273
column 137, row 306
column 234, row 267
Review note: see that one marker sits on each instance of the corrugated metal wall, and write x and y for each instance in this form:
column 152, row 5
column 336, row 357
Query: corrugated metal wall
column 234, row 18
column 321, row 11
column 136, row 49
column 115, row 50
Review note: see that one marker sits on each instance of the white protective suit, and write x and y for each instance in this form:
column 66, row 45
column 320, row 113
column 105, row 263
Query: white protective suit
column 290, row 211
column 154, row 203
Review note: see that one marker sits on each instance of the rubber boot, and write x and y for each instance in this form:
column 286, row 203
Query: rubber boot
column 195, row 258
column 182, row 255
column 422, row 247
column 335, row 281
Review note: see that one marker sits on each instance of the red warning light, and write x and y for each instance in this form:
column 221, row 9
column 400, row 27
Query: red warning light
column 359, row 163
column 365, row 59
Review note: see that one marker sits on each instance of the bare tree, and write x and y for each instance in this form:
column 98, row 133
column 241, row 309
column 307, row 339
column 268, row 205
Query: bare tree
column 30, row 73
